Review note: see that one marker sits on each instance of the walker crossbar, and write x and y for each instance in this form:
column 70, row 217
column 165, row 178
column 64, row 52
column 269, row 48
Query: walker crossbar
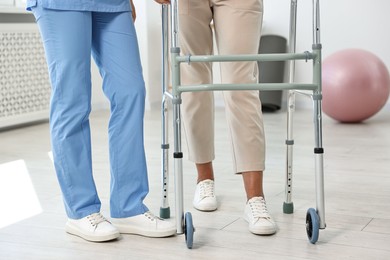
column 315, row 218
column 248, row 86
column 260, row 57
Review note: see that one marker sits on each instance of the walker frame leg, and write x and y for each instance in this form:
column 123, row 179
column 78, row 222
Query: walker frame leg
column 164, row 209
column 288, row 205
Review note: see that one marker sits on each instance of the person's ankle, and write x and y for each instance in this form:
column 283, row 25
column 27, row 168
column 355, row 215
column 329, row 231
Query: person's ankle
column 251, row 196
column 205, row 171
column 205, row 178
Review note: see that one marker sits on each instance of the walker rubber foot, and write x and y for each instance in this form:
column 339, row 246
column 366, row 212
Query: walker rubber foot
column 288, row 208
column 165, row 213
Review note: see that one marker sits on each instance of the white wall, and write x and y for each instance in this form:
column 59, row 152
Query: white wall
column 344, row 24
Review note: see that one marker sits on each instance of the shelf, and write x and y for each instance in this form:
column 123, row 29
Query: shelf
column 13, row 10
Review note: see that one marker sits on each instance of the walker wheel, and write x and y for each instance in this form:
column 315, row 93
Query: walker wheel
column 188, row 229
column 312, row 225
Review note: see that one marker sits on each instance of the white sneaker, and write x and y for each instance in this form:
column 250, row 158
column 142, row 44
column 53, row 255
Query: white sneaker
column 94, row 227
column 145, row 224
column 205, row 199
column 256, row 214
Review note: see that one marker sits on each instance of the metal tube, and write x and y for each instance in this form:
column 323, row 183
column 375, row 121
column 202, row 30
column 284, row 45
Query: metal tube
column 246, row 86
column 292, row 37
column 174, row 23
column 176, row 101
column 289, row 146
column 178, row 171
column 165, row 47
column 316, row 22
column 320, row 196
column 317, row 75
column 247, row 57
column 288, row 204
column 164, row 209
column 317, row 100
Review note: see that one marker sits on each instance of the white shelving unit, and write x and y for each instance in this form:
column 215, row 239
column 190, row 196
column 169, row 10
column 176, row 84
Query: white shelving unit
column 24, row 82
column 13, row 10
column 12, row 6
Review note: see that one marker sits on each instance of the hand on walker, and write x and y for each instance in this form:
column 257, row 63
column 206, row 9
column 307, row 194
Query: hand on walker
column 163, row 1
column 133, row 13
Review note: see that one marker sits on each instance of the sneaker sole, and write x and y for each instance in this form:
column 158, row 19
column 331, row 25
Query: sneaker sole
column 263, row 231
column 125, row 229
column 92, row 238
column 205, row 209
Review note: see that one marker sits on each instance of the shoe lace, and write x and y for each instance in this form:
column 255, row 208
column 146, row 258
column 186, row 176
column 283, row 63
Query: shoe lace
column 96, row 218
column 206, row 189
column 259, row 208
column 151, row 216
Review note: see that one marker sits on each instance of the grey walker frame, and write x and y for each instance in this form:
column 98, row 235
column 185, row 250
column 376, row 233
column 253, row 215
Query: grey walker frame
column 315, row 218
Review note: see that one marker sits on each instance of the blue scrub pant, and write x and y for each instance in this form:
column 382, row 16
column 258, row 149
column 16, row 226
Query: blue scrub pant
column 69, row 38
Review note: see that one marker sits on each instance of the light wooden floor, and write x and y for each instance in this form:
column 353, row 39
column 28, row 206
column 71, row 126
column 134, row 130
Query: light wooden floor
column 357, row 186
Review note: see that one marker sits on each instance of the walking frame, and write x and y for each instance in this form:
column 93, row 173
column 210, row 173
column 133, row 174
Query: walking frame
column 315, row 218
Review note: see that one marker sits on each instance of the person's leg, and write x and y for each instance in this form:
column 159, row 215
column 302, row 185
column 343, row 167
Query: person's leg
column 205, row 171
column 67, row 42
column 238, row 29
column 115, row 50
column 196, row 38
column 197, row 107
column 253, row 183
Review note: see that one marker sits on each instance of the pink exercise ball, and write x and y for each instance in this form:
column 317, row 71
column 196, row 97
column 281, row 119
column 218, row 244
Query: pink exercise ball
column 355, row 85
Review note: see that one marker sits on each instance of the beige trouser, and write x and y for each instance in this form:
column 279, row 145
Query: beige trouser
column 237, row 25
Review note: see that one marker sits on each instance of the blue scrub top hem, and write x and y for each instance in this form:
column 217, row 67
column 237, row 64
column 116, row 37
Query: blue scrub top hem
column 100, row 6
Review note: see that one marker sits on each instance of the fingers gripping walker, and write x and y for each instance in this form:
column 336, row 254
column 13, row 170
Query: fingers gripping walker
column 315, row 218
